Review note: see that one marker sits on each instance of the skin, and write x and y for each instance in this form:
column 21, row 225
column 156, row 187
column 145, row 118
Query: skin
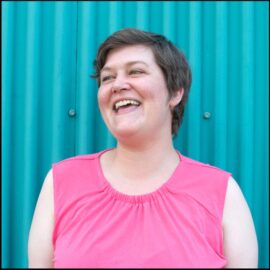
column 132, row 72
column 144, row 134
column 144, row 157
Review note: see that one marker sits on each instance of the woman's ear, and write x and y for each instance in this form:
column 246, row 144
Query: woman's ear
column 176, row 98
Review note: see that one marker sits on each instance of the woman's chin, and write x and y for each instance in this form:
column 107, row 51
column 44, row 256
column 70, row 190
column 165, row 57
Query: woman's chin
column 126, row 133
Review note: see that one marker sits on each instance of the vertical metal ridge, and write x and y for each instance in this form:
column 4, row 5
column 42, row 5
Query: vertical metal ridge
column 64, row 65
column 7, row 131
column 30, row 161
column 86, row 102
column 75, row 77
column 169, row 19
column 260, row 189
column 18, row 127
column 57, row 100
column 246, row 102
column 221, row 87
column 194, row 107
column 234, row 85
column 142, row 14
column 115, row 16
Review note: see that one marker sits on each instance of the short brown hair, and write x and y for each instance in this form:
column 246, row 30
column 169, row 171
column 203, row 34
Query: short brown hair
column 171, row 60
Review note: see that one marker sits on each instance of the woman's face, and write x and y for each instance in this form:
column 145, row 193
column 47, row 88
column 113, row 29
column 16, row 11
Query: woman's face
column 133, row 96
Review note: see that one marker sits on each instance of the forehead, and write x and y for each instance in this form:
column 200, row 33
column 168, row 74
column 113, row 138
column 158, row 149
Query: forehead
column 130, row 54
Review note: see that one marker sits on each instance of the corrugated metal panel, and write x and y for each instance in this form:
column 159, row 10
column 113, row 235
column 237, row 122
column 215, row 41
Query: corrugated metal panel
column 48, row 49
column 39, row 87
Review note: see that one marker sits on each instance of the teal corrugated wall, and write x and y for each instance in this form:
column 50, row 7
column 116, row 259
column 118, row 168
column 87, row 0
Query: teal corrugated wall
column 50, row 108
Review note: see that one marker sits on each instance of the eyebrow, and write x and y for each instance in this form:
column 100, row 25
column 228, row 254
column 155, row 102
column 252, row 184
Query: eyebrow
column 127, row 64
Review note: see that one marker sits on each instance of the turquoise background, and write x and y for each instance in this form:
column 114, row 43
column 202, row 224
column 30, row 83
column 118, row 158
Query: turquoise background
column 47, row 54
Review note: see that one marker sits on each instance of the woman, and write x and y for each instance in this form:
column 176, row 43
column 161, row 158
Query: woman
column 142, row 204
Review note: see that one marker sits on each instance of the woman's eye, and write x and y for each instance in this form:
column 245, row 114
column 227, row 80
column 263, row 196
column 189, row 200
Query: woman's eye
column 136, row 71
column 106, row 78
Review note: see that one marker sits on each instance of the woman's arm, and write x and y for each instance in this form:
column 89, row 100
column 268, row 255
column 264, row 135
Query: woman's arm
column 240, row 241
column 40, row 248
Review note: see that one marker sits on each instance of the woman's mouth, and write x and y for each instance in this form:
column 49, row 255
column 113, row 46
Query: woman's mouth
column 126, row 105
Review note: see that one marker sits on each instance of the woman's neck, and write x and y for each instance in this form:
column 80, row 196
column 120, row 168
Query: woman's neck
column 144, row 161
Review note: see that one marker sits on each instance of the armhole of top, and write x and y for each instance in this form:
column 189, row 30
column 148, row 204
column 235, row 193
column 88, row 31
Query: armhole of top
column 229, row 176
column 54, row 205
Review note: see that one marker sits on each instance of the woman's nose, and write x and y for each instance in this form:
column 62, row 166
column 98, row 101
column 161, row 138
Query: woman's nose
column 120, row 84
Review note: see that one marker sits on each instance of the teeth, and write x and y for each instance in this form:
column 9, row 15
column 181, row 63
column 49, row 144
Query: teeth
column 125, row 102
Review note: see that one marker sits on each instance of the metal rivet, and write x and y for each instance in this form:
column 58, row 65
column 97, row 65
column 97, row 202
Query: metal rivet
column 206, row 115
column 72, row 112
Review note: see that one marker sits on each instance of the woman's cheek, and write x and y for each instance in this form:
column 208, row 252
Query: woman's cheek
column 102, row 96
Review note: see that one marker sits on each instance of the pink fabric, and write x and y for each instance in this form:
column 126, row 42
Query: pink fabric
column 178, row 225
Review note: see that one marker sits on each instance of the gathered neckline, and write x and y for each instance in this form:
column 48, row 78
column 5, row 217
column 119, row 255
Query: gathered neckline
column 138, row 198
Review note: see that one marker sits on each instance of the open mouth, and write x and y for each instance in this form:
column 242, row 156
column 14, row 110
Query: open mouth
column 126, row 105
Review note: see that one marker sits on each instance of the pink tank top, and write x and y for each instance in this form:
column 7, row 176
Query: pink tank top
column 177, row 226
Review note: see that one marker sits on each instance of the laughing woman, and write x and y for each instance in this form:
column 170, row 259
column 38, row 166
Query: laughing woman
column 141, row 204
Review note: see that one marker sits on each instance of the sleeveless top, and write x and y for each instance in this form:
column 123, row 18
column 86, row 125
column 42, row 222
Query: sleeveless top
column 179, row 225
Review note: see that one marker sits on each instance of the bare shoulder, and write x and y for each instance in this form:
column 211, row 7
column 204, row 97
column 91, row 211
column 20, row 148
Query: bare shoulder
column 240, row 241
column 40, row 247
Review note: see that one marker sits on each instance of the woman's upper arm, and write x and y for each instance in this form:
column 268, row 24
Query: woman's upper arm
column 240, row 241
column 40, row 247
